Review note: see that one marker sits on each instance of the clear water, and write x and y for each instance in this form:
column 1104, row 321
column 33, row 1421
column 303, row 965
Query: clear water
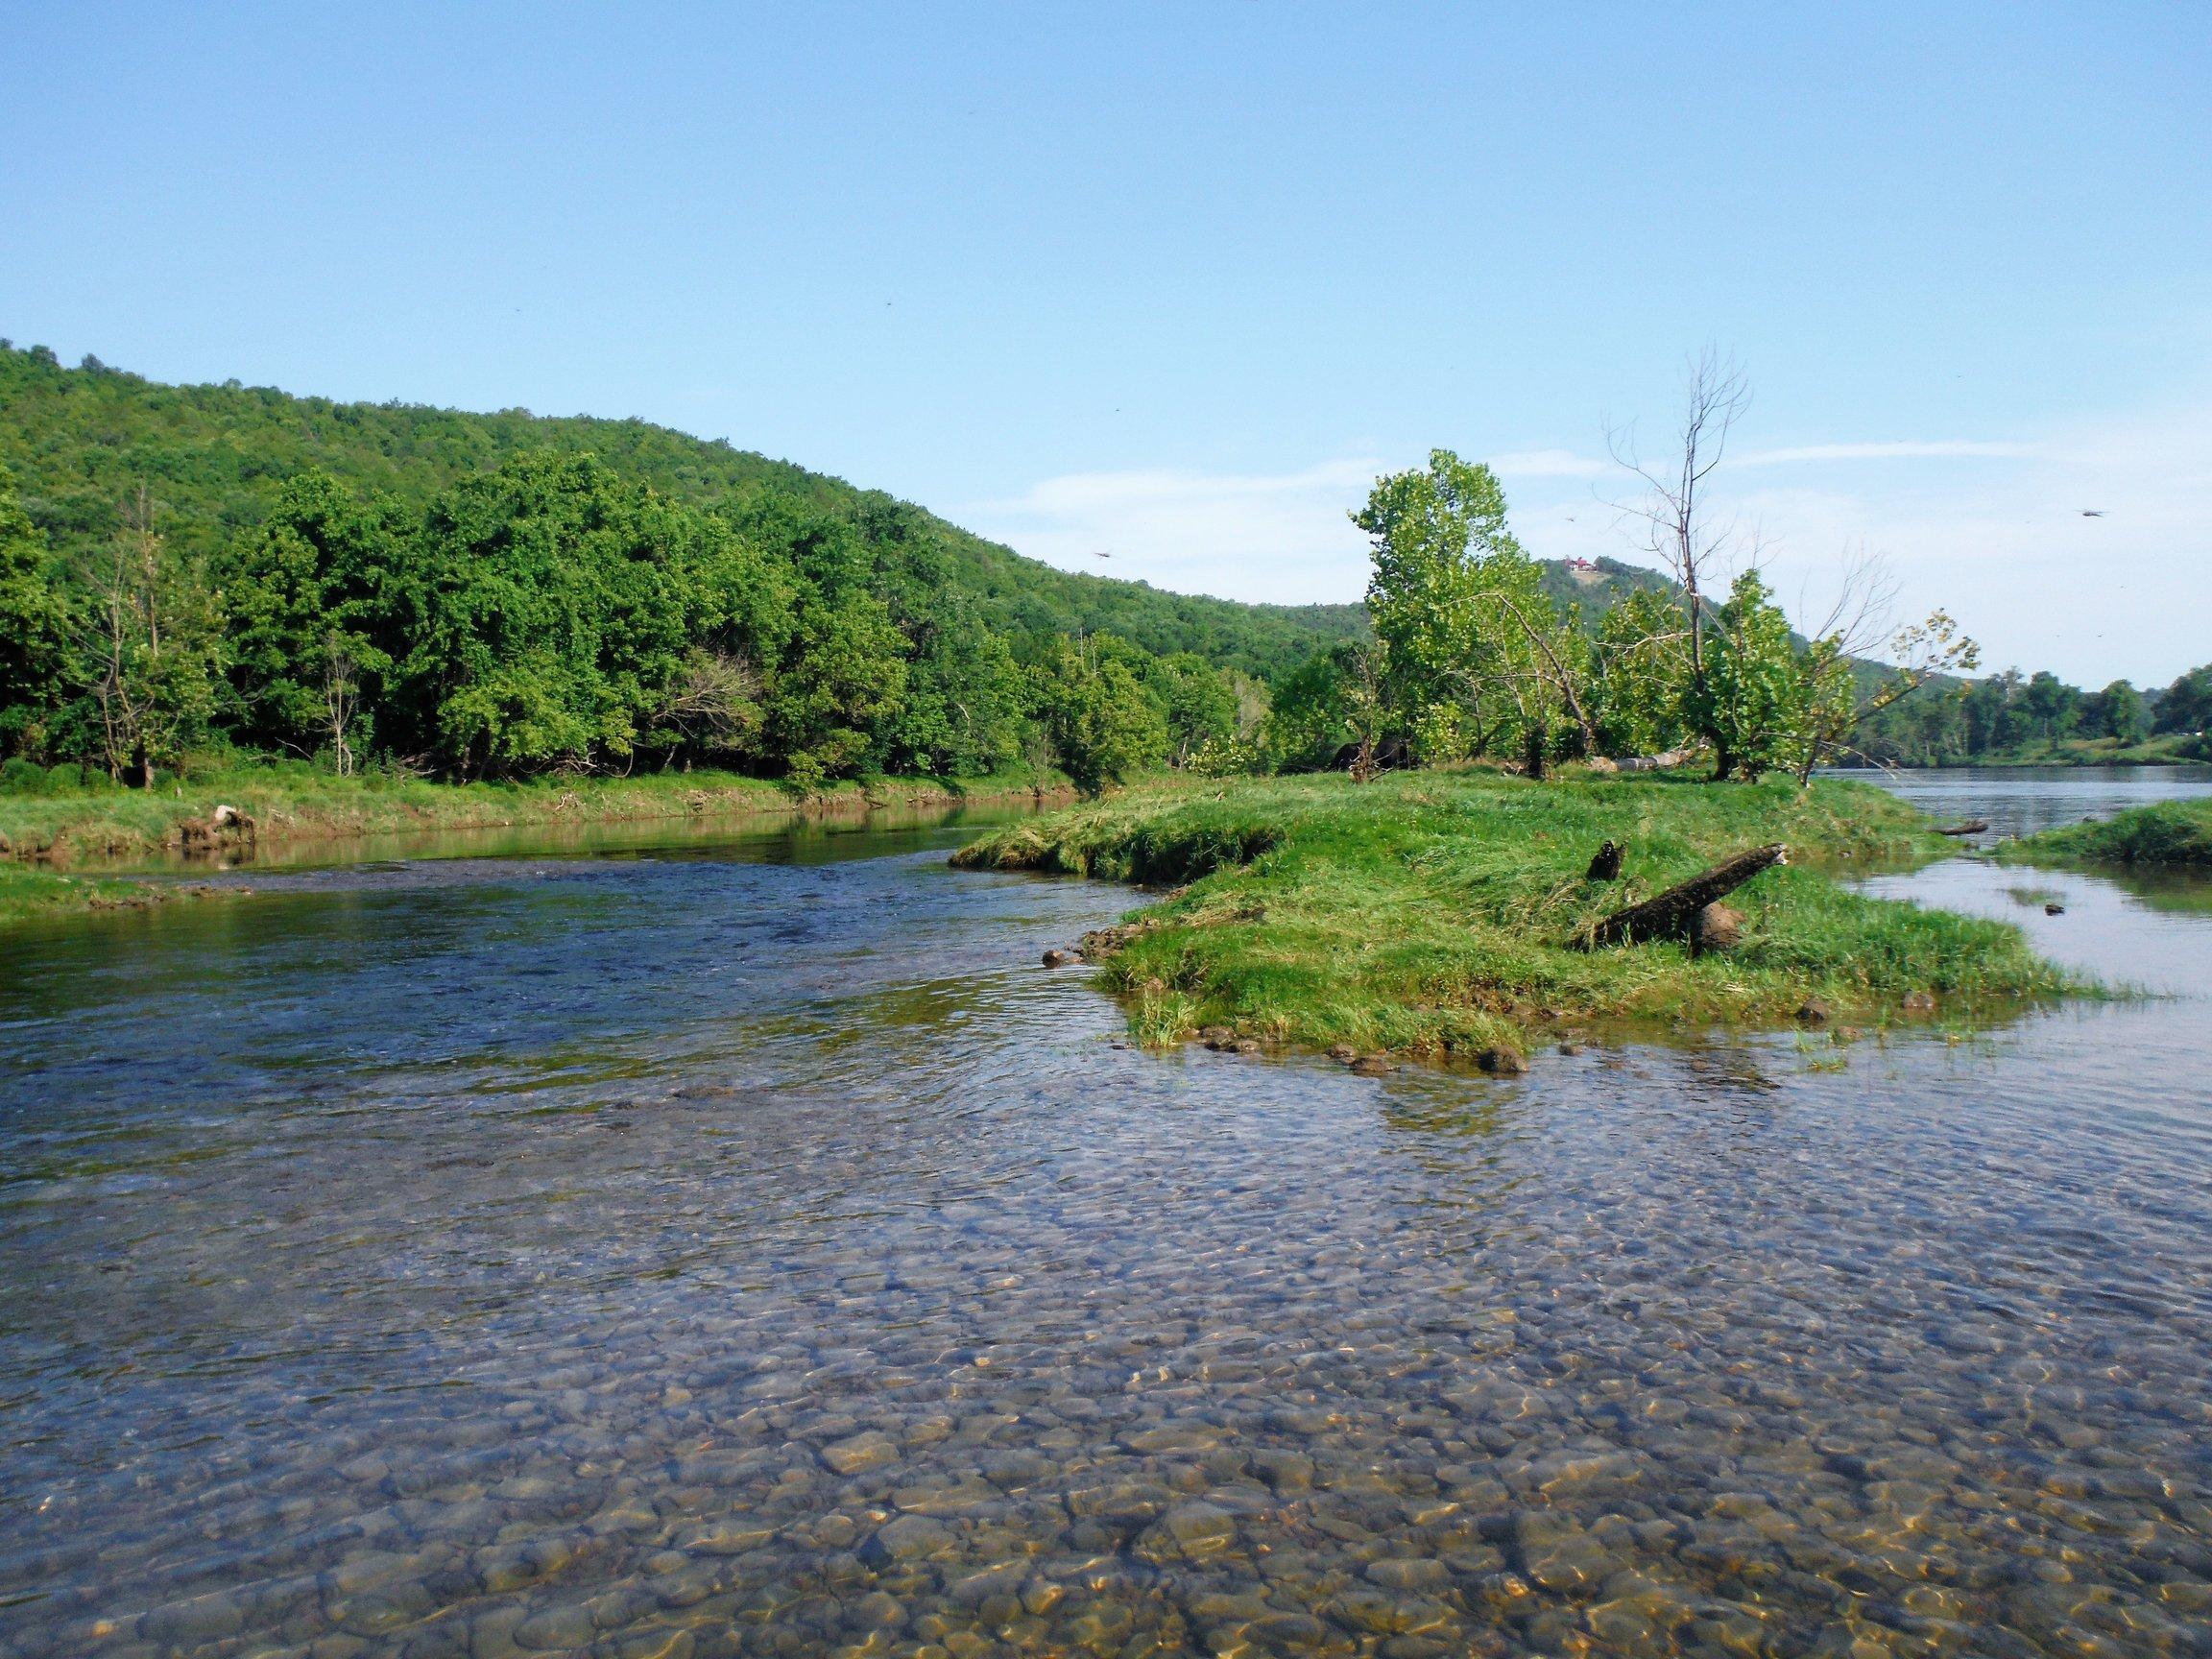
column 2021, row 799
column 746, row 1248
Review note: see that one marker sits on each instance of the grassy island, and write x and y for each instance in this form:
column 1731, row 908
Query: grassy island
column 1435, row 913
column 2171, row 835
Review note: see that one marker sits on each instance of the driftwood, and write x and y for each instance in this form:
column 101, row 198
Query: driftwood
column 1972, row 827
column 1655, row 762
column 1671, row 914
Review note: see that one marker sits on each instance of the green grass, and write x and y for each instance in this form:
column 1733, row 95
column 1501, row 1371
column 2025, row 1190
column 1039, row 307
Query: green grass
column 25, row 893
column 1433, row 913
column 294, row 802
column 2171, row 835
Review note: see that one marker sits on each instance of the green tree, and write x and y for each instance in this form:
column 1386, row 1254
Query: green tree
column 150, row 643
column 1200, row 702
column 1754, row 701
column 1473, row 646
column 841, row 679
column 1101, row 720
column 550, row 608
column 2117, row 712
column 2186, row 704
column 1641, row 676
column 2052, row 706
column 310, row 620
column 34, row 626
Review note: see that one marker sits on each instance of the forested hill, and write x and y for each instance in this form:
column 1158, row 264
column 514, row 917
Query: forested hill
column 81, row 440
column 190, row 572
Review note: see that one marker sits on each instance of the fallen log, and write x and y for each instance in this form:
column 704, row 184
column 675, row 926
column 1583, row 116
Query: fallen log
column 1670, row 915
column 1972, row 827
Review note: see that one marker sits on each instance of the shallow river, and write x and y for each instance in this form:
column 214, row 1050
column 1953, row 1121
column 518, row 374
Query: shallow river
column 745, row 1248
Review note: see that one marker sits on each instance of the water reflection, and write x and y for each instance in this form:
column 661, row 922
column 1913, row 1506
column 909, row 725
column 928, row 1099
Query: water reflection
column 743, row 1254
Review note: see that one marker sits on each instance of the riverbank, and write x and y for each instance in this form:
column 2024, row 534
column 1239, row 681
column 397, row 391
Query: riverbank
column 2175, row 749
column 44, row 837
column 1436, row 914
column 2170, row 835
column 298, row 804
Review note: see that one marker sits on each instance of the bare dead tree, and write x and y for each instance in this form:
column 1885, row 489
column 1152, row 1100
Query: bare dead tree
column 1672, row 519
column 341, row 697
column 1856, row 628
column 126, row 628
column 1555, row 671
column 1364, row 707
column 713, row 699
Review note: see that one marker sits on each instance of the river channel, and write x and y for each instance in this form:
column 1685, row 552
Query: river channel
column 742, row 1247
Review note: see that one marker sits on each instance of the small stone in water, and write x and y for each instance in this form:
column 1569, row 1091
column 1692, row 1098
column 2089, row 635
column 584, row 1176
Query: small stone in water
column 868, row 1451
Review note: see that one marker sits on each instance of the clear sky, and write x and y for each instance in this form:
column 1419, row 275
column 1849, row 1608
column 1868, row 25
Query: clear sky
column 1174, row 281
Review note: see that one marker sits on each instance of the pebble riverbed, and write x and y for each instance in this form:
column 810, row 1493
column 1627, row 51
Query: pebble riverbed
column 750, row 1252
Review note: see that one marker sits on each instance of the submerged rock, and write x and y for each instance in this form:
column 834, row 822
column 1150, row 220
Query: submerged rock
column 1501, row 1063
column 1057, row 958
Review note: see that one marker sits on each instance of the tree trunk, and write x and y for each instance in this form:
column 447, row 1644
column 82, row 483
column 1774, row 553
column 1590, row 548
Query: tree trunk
column 1669, row 915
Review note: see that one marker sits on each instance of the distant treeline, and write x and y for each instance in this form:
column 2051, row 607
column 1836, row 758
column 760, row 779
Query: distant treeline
column 2011, row 716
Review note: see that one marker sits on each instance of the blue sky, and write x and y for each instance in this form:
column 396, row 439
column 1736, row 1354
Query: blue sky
column 1174, row 281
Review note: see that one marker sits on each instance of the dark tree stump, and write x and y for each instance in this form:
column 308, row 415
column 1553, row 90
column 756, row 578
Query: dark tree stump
column 1671, row 914
column 1606, row 865
column 1716, row 927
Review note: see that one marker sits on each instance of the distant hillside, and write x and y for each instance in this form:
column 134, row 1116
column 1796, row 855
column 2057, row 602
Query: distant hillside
column 80, row 440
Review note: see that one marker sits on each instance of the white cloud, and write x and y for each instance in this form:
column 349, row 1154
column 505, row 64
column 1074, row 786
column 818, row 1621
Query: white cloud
column 1547, row 464
column 1992, row 530
column 1940, row 448
column 1283, row 538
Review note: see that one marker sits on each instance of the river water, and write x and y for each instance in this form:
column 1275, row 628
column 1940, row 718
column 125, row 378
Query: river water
column 743, row 1247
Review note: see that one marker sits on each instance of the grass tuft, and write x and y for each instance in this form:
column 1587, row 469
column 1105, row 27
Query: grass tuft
column 2173, row 834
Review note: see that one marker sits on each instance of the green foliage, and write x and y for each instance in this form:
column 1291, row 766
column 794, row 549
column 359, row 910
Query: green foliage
column 1200, row 702
column 2186, row 704
column 308, row 602
column 1641, row 678
column 34, row 626
column 1754, row 703
column 1311, row 715
column 2118, row 711
column 1104, row 724
column 1471, row 644
column 2009, row 717
column 148, row 649
column 548, row 610
column 2172, row 833
column 504, row 594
